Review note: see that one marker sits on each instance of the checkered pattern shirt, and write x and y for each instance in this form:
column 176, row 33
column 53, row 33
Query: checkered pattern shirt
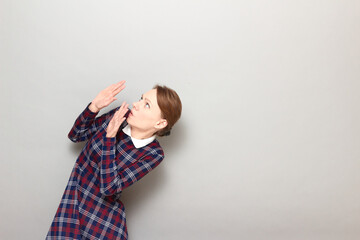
column 90, row 207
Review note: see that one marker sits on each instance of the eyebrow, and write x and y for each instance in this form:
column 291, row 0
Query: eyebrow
column 142, row 95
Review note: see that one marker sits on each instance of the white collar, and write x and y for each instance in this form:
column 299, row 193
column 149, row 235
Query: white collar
column 138, row 143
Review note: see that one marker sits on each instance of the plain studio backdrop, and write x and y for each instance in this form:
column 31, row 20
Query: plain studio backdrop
column 268, row 145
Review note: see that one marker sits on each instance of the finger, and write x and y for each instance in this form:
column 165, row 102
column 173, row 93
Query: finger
column 116, row 91
column 120, row 110
column 118, row 118
column 118, row 85
column 121, row 120
column 124, row 108
column 121, row 82
column 109, row 100
column 111, row 86
column 123, row 105
column 114, row 86
column 123, row 112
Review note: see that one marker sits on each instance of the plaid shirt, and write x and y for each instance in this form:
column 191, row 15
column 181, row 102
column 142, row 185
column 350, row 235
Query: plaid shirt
column 90, row 207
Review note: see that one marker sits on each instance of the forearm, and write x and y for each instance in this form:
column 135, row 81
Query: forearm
column 87, row 123
column 115, row 179
column 109, row 179
column 80, row 129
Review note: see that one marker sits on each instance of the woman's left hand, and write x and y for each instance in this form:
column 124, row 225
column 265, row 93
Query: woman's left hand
column 117, row 120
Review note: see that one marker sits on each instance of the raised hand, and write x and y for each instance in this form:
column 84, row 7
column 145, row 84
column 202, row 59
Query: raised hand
column 106, row 96
column 117, row 119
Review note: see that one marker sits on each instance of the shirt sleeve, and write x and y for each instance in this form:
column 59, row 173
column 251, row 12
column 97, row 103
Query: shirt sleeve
column 114, row 180
column 86, row 124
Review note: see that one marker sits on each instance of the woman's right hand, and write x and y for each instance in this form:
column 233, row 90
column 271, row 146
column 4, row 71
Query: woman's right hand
column 106, row 96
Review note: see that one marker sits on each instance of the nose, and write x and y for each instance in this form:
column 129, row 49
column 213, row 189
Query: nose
column 135, row 105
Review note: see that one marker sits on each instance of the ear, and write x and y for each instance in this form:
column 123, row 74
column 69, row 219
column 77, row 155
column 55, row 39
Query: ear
column 161, row 124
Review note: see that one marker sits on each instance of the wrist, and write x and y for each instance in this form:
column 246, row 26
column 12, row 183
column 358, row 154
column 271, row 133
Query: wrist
column 93, row 108
column 109, row 141
column 110, row 134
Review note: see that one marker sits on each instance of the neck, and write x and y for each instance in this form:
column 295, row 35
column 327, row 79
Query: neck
column 139, row 134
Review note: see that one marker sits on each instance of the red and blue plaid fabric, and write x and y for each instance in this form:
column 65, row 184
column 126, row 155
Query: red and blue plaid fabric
column 90, row 207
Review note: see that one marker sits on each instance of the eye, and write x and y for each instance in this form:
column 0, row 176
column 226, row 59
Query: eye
column 147, row 105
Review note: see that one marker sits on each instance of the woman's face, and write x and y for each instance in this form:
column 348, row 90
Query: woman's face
column 146, row 114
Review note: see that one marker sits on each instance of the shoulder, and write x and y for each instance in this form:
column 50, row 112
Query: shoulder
column 154, row 150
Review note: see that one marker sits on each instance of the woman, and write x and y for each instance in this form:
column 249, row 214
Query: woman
column 121, row 148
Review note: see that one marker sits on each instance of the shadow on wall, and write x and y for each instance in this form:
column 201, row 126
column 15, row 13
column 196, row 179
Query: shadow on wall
column 76, row 149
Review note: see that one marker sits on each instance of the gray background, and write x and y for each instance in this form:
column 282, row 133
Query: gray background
column 268, row 145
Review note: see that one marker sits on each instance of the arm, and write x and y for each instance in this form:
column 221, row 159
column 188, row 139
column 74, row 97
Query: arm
column 86, row 124
column 113, row 179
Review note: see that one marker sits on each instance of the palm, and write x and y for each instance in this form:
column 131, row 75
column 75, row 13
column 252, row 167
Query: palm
column 107, row 96
column 117, row 120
